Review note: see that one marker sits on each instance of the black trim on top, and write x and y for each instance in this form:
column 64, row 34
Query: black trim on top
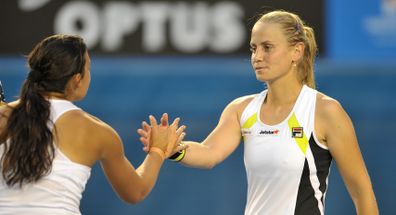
column 323, row 160
column 306, row 202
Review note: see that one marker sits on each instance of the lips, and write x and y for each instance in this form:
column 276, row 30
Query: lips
column 258, row 68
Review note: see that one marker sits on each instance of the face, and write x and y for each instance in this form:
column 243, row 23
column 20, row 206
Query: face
column 84, row 80
column 271, row 53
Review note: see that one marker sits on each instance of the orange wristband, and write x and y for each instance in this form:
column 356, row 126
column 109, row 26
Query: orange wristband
column 158, row 151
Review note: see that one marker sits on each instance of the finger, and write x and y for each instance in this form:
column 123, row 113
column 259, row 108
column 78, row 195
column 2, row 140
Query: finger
column 145, row 126
column 164, row 119
column 175, row 123
column 181, row 137
column 180, row 147
column 142, row 133
column 144, row 141
column 180, row 130
column 153, row 121
column 146, row 149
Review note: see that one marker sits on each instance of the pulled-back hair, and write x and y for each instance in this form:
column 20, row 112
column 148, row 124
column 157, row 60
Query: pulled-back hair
column 296, row 31
column 29, row 150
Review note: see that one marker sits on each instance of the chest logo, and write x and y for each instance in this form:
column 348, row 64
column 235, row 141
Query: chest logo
column 297, row 132
column 246, row 132
column 269, row 132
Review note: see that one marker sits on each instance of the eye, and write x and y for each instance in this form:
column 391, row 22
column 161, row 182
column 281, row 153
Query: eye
column 252, row 49
column 268, row 48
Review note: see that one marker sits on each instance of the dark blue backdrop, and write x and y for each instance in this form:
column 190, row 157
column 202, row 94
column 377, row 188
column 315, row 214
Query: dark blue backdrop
column 125, row 90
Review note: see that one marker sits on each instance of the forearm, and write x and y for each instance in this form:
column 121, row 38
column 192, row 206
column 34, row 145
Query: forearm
column 199, row 155
column 148, row 172
column 366, row 204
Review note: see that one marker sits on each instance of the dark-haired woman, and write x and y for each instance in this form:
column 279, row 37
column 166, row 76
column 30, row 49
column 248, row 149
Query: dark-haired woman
column 48, row 145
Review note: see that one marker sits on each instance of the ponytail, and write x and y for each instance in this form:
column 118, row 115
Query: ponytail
column 31, row 153
column 306, row 66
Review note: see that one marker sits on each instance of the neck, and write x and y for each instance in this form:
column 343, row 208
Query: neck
column 53, row 95
column 283, row 94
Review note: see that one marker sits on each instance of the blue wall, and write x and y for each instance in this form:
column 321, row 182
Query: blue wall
column 360, row 30
column 125, row 90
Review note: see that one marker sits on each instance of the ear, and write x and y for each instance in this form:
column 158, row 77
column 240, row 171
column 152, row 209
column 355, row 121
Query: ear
column 76, row 80
column 298, row 51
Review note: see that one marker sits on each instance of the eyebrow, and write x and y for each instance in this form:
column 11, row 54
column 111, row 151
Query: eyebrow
column 262, row 43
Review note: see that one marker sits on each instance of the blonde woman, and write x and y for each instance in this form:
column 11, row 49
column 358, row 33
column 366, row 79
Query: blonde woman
column 291, row 132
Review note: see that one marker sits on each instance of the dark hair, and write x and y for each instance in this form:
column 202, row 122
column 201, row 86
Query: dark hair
column 29, row 150
column 297, row 31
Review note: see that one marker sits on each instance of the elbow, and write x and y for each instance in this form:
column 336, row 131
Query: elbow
column 132, row 200
column 135, row 197
column 211, row 165
column 204, row 165
column 213, row 161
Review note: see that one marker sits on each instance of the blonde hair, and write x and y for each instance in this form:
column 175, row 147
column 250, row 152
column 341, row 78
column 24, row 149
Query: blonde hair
column 296, row 31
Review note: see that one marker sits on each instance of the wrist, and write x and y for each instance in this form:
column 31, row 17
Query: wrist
column 158, row 151
column 178, row 156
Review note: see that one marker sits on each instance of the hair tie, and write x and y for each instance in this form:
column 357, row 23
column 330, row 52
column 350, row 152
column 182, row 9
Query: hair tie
column 35, row 76
column 298, row 28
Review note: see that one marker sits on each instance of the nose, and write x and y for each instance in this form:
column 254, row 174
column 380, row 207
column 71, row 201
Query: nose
column 258, row 55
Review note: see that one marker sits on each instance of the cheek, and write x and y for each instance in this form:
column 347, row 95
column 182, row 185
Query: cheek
column 279, row 58
column 89, row 77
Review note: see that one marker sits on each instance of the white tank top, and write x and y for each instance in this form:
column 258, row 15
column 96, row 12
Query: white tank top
column 287, row 168
column 58, row 193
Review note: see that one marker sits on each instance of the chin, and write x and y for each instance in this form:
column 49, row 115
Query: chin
column 78, row 98
column 262, row 78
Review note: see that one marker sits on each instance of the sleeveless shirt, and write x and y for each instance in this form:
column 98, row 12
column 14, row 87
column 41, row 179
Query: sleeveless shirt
column 57, row 193
column 287, row 167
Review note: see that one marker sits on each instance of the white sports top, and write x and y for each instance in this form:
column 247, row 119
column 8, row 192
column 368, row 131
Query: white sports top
column 58, row 193
column 287, row 168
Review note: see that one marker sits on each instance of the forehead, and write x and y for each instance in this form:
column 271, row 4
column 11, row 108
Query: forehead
column 267, row 31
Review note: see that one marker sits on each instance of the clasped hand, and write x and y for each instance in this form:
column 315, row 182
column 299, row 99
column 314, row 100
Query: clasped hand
column 163, row 136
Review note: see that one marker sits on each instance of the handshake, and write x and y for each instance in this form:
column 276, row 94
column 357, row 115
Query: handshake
column 163, row 138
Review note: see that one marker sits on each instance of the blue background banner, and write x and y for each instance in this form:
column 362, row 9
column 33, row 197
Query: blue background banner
column 132, row 77
column 124, row 91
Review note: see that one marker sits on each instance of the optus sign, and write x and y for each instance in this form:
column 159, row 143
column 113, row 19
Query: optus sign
column 186, row 27
column 140, row 27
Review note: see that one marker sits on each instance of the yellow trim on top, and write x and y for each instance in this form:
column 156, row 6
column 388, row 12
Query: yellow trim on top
column 250, row 121
column 301, row 142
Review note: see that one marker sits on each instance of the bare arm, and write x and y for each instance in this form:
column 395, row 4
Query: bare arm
column 133, row 185
column 339, row 135
column 221, row 142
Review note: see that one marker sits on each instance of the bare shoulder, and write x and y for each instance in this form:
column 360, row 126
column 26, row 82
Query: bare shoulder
column 84, row 122
column 239, row 104
column 244, row 100
column 90, row 133
column 328, row 107
column 330, row 113
column 236, row 107
column 330, row 118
